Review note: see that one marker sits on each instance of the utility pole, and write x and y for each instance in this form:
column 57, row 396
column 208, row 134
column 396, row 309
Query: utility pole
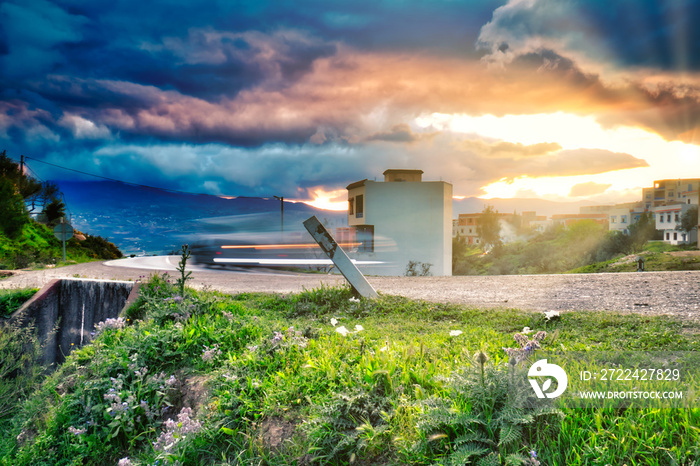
column 281, row 199
column 21, row 172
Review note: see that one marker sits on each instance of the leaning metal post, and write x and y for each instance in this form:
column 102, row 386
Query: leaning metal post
column 357, row 281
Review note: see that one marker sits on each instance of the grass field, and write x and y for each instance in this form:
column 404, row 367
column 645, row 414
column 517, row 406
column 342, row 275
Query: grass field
column 322, row 378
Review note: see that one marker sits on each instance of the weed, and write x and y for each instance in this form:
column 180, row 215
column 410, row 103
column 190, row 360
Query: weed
column 181, row 267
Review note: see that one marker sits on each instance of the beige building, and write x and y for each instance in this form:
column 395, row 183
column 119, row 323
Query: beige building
column 669, row 192
column 402, row 219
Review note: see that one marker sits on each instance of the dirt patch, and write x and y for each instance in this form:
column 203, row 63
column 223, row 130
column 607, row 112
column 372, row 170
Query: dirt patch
column 194, row 392
column 685, row 253
column 275, row 431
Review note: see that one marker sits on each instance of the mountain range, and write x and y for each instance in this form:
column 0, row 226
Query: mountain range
column 142, row 220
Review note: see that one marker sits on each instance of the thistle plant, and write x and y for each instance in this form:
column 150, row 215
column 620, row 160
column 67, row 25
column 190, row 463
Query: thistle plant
column 181, row 266
column 489, row 416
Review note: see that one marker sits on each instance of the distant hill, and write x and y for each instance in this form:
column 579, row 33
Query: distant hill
column 151, row 221
column 541, row 206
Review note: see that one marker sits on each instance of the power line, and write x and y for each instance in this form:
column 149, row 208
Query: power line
column 129, row 182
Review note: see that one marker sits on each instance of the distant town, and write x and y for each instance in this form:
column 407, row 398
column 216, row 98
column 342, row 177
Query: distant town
column 667, row 200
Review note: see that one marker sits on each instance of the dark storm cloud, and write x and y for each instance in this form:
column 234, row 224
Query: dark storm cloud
column 625, row 33
column 399, row 133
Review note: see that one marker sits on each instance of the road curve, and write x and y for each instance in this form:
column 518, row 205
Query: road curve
column 672, row 293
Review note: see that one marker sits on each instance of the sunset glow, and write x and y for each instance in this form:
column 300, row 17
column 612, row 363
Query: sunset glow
column 566, row 100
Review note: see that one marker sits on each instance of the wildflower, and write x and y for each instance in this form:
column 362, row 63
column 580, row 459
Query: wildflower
column 354, row 300
column 334, row 321
column 75, row 431
column 549, row 315
column 342, row 330
column 177, row 430
column 455, row 333
column 125, row 462
column 359, row 328
column 527, row 347
column 526, row 331
column 171, row 382
column 208, row 354
column 277, row 338
column 385, row 347
column 108, row 324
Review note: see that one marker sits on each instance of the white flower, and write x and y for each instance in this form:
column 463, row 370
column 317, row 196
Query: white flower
column 549, row 315
column 342, row 330
column 359, row 328
column 334, row 321
column 354, row 300
column 526, row 330
column 455, row 333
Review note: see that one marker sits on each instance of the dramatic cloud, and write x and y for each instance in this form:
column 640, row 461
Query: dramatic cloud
column 515, row 150
column 588, row 189
column 399, row 133
column 295, row 99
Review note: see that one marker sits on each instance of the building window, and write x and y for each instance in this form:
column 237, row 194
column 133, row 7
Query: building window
column 365, row 236
column 668, row 236
column 360, row 206
column 668, row 217
column 613, row 219
column 676, row 217
column 675, row 236
column 683, row 237
column 351, row 206
column 670, row 194
column 661, row 218
column 623, row 219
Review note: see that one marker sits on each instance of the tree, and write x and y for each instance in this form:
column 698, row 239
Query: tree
column 489, row 228
column 689, row 220
column 25, row 185
column 54, row 211
column 47, row 194
column 642, row 231
column 459, row 249
column 12, row 213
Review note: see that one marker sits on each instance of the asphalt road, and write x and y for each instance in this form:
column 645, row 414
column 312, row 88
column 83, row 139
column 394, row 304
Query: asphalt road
column 672, row 293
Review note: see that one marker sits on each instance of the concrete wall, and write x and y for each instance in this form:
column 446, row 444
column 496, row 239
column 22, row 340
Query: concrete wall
column 412, row 222
column 65, row 312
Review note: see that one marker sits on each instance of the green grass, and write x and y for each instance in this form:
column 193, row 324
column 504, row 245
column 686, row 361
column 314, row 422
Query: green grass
column 273, row 382
column 657, row 256
column 11, row 300
column 37, row 246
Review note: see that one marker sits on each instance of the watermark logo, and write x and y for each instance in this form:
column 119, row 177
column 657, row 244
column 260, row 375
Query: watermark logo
column 542, row 369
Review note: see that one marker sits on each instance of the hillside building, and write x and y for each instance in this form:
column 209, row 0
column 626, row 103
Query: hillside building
column 670, row 192
column 400, row 220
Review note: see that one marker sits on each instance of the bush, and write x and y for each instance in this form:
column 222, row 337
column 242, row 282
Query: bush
column 11, row 300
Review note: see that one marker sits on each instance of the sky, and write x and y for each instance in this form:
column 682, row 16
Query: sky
column 553, row 99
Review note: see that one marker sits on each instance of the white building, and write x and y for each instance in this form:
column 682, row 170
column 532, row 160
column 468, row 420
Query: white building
column 668, row 217
column 621, row 216
column 402, row 219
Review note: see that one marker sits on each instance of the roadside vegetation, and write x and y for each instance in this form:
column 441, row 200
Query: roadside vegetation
column 320, row 377
column 12, row 299
column 584, row 246
column 29, row 210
